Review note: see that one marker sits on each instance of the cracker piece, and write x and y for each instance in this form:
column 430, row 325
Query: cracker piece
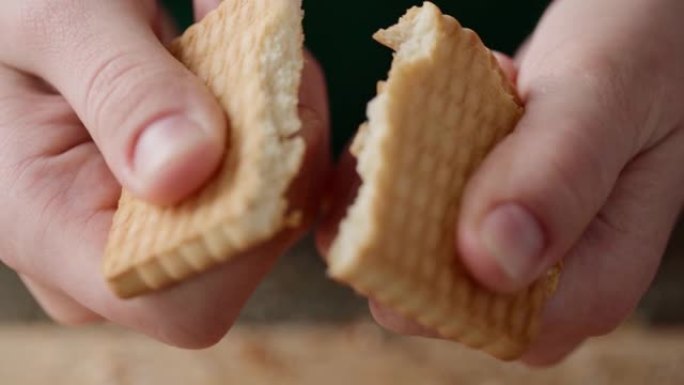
column 249, row 53
column 445, row 105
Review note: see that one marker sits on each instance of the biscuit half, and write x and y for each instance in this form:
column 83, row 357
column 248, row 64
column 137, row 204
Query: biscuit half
column 444, row 107
column 249, row 54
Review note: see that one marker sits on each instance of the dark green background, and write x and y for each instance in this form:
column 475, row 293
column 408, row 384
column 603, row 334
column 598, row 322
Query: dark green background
column 339, row 34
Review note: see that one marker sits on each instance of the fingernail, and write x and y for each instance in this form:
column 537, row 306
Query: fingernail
column 167, row 142
column 514, row 238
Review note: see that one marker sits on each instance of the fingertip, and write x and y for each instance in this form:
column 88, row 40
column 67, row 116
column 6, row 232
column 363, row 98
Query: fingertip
column 340, row 194
column 172, row 158
column 198, row 338
column 505, row 250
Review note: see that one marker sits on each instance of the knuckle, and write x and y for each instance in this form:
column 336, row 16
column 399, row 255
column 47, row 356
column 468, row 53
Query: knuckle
column 581, row 163
column 106, row 82
column 608, row 81
column 624, row 102
column 125, row 90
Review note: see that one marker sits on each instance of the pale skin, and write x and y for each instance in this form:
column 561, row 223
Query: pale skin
column 591, row 176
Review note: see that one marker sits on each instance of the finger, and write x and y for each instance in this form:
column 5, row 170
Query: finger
column 159, row 129
column 397, row 323
column 340, row 194
column 164, row 26
column 202, row 7
column 539, row 189
column 507, row 65
column 59, row 306
column 307, row 189
column 608, row 271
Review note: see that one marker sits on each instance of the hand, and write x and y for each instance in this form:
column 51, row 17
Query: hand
column 90, row 100
column 592, row 175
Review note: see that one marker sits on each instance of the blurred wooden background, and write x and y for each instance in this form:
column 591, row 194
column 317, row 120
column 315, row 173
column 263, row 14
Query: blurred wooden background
column 354, row 354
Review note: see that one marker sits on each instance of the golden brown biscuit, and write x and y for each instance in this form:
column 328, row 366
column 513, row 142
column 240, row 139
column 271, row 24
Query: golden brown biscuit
column 445, row 105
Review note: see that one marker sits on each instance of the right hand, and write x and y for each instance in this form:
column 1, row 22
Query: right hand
column 90, row 101
column 591, row 176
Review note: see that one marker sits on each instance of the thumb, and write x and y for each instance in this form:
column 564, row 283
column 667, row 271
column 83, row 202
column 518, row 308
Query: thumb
column 159, row 129
column 535, row 194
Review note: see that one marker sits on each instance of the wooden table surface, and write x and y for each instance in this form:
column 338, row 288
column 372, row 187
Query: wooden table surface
column 355, row 354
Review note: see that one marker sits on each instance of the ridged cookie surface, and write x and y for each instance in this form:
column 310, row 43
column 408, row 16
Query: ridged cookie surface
column 249, row 53
column 445, row 105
